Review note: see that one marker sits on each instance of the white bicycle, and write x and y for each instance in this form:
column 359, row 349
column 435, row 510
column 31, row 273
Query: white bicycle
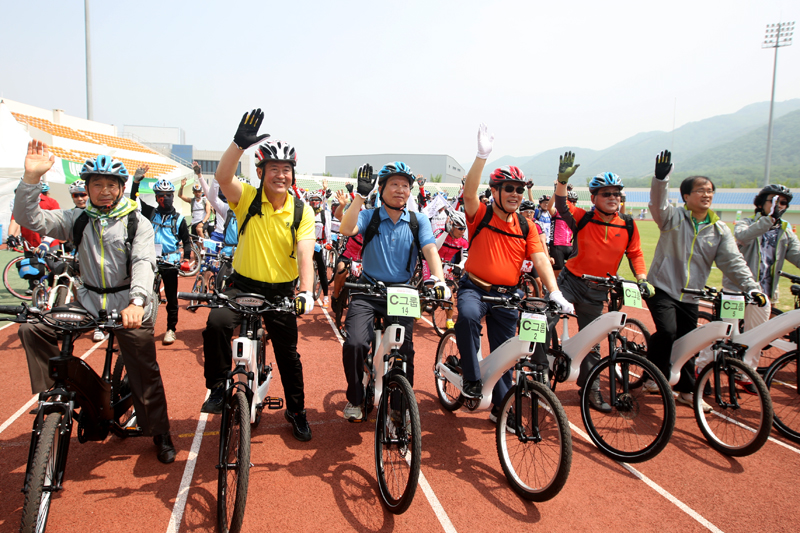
column 534, row 442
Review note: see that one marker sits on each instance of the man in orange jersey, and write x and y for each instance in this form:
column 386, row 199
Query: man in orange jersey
column 500, row 240
column 602, row 237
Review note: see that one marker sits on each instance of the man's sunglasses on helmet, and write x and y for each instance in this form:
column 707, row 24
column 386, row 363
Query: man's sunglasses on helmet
column 510, row 188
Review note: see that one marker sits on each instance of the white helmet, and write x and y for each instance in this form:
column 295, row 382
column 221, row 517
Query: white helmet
column 77, row 186
column 457, row 220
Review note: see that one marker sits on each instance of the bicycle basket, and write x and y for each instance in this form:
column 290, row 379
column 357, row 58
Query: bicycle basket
column 31, row 268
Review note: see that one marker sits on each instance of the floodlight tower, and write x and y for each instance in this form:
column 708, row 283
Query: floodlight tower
column 88, row 64
column 777, row 35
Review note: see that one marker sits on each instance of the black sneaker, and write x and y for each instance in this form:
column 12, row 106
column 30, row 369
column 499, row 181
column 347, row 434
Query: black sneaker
column 472, row 389
column 299, row 425
column 166, row 450
column 213, row 405
column 597, row 403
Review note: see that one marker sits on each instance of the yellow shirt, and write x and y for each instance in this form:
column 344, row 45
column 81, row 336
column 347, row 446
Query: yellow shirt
column 264, row 251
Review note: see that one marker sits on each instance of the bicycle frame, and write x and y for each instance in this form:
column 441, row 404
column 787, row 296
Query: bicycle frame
column 387, row 346
column 579, row 346
column 768, row 333
column 244, row 350
column 687, row 346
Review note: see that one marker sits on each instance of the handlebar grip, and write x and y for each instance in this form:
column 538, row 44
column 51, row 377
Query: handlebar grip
column 196, row 296
column 790, row 277
column 698, row 292
column 598, row 279
column 494, row 299
column 11, row 309
column 361, row 286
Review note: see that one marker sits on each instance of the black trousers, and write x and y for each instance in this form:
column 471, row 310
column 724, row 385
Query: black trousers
column 170, row 278
column 282, row 330
column 673, row 320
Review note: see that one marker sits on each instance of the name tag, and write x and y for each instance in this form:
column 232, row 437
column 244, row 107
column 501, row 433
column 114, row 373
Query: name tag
column 402, row 302
column 533, row 328
column 732, row 307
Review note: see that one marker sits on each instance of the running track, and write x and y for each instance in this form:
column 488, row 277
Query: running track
column 329, row 483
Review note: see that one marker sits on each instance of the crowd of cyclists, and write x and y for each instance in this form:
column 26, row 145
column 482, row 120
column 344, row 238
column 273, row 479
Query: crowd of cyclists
column 276, row 232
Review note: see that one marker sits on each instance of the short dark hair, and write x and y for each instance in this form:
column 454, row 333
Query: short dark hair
column 687, row 185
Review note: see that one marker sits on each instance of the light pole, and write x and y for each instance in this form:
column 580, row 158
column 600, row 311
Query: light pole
column 88, row 64
column 777, row 35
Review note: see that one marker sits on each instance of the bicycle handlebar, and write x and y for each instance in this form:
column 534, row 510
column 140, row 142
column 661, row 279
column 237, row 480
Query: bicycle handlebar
column 711, row 294
column 196, row 296
column 11, row 309
column 790, row 277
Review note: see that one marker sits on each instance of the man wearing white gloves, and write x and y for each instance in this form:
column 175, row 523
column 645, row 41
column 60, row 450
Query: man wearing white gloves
column 500, row 240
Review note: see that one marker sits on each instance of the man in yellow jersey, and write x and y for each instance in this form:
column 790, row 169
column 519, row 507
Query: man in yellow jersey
column 276, row 245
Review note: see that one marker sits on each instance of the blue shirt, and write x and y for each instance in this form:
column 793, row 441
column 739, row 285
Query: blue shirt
column 386, row 256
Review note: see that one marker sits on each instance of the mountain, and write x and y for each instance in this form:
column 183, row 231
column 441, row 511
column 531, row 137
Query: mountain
column 698, row 145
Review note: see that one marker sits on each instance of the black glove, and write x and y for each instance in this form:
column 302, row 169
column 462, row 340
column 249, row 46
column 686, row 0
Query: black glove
column 529, row 184
column 349, row 187
column 366, row 181
column 777, row 212
column 328, row 193
column 12, row 241
column 247, row 133
column 663, row 165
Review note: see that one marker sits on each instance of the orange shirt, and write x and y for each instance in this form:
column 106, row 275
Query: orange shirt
column 497, row 258
column 600, row 248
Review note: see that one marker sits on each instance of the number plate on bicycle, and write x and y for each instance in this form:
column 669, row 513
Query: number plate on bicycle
column 732, row 306
column 211, row 246
column 447, row 269
column 527, row 266
column 533, row 328
column 402, row 302
column 631, row 295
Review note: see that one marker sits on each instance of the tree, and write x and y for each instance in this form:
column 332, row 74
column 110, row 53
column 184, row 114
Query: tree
column 436, row 178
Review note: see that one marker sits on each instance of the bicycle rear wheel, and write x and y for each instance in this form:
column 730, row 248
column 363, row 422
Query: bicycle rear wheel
column 639, row 424
column 234, row 468
column 536, row 469
column 398, row 443
column 199, row 286
column 317, row 286
column 781, row 381
column 447, row 353
column 439, row 317
column 737, row 430
column 45, row 475
column 194, row 264
column 13, row 283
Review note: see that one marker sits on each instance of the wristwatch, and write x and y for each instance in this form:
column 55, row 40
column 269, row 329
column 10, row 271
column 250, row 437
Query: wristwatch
column 137, row 301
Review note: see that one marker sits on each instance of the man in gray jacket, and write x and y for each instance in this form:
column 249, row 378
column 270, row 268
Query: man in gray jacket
column 117, row 274
column 692, row 238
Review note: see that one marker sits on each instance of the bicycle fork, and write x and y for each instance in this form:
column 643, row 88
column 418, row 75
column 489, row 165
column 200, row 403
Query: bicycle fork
column 526, row 372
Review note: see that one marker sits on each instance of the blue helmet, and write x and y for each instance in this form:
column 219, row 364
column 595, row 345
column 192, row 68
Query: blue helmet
column 103, row 165
column 606, row 179
column 392, row 169
column 45, row 186
column 163, row 185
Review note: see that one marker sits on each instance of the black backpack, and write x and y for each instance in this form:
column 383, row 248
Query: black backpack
column 82, row 221
column 372, row 231
column 588, row 217
column 487, row 218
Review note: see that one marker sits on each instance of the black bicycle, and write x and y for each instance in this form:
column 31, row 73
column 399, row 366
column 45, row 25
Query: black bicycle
column 100, row 404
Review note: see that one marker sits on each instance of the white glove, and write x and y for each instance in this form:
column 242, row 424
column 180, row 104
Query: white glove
column 485, row 141
column 565, row 306
column 304, row 303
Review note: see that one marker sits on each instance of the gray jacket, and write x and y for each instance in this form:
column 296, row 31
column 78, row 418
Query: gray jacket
column 103, row 255
column 747, row 233
column 684, row 256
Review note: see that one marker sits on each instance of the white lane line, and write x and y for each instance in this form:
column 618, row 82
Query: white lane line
column 656, row 487
column 24, row 409
column 7, row 325
column 748, row 428
column 438, row 510
column 188, row 473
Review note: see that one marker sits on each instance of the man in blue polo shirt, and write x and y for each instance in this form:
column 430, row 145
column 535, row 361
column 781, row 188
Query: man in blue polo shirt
column 389, row 257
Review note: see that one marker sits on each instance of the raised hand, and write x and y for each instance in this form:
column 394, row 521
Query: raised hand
column 566, row 167
column 140, row 173
column 485, row 141
column 366, row 182
column 38, row 161
column 196, row 168
column 342, row 197
column 663, row 165
column 247, row 133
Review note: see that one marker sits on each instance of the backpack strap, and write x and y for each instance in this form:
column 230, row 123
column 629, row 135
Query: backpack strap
column 78, row 227
column 413, row 224
column 299, row 206
column 588, row 217
column 485, row 223
column 374, row 224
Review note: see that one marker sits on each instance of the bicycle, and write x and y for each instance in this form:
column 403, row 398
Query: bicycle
column 13, row 280
column 438, row 311
column 215, row 270
column 639, row 425
column 398, row 437
column 101, row 404
column 737, row 424
column 192, row 258
column 533, row 438
column 60, row 290
column 341, row 303
column 246, row 396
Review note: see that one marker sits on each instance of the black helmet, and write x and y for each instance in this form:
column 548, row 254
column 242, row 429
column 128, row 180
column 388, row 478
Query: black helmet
column 527, row 205
column 772, row 188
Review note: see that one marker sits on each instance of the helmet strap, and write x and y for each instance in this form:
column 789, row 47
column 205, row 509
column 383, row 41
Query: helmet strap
column 393, row 208
column 499, row 204
column 604, row 213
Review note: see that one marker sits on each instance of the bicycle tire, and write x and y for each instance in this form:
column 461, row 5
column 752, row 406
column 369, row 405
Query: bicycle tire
column 40, row 297
column 261, row 373
column 781, row 382
column 736, row 432
column 198, row 286
column 12, row 282
column 317, row 285
column 234, row 470
column 194, row 264
column 43, row 476
column 396, row 465
column 447, row 353
column 537, row 471
column 530, row 287
column 330, row 269
column 122, row 397
column 639, row 425
column 439, row 317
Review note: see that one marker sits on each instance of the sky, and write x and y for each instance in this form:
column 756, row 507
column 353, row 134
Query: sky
column 364, row 77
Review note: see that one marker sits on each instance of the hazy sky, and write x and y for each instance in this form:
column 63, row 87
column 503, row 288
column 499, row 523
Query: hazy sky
column 352, row 77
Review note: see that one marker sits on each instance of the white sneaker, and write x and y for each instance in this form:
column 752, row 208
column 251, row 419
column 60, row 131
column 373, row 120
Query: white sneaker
column 352, row 413
column 98, row 336
column 650, row 386
column 687, row 398
column 325, row 302
column 169, row 337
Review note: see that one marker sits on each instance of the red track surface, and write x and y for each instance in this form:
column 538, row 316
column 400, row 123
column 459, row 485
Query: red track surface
column 329, row 483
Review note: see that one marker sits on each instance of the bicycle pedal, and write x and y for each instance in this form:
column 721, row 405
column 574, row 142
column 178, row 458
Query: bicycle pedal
column 273, row 402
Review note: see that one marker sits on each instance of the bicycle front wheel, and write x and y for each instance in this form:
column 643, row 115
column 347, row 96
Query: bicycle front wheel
column 13, row 283
column 398, row 443
column 234, row 468
column 199, row 286
column 317, row 285
column 44, row 476
column 447, row 353
column 536, row 452
column 740, row 422
column 639, row 424
column 194, row 260
column 782, row 384
column 439, row 317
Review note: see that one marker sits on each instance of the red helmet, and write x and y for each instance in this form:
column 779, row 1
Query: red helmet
column 506, row 173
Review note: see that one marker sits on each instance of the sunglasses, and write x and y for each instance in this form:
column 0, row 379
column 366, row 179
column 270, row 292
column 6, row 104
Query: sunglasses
column 80, row 195
column 607, row 194
column 462, row 228
column 511, row 188
column 782, row 202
